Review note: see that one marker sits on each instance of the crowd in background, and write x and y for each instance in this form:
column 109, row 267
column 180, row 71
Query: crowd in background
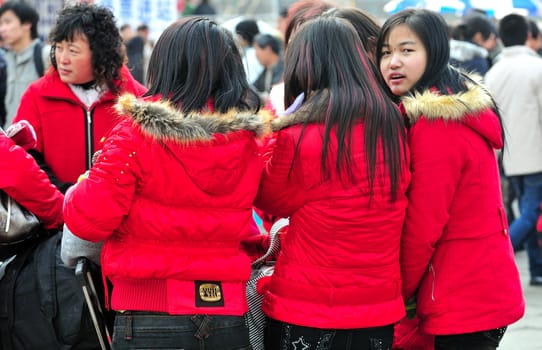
column 406, row 156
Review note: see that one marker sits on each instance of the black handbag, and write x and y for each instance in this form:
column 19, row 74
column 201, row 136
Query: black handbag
column 17, row 224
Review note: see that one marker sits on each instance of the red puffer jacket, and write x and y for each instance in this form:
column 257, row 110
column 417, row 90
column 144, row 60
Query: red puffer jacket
column 171, row 195
column 456, row 254
column 24, row 181
column 339, row 263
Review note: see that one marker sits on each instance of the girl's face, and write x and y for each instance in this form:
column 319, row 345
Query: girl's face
column 403, row 61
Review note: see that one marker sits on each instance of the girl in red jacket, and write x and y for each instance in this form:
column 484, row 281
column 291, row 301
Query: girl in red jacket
column 339, row 170
column 171, row 195
column 456, row 255
column 23, row 180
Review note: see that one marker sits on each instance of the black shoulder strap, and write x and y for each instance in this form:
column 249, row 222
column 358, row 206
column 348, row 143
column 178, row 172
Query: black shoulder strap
column 44, row 270
column 38, row 59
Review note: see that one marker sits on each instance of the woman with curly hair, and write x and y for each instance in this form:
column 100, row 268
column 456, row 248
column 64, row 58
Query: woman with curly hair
column 71, row 106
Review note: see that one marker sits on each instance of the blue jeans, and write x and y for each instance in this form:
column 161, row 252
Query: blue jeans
column 145, row 330
column 528, row 189
column 285, row 336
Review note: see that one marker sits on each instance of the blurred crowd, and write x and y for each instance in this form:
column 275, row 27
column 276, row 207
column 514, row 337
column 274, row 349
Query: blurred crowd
column 405, row 156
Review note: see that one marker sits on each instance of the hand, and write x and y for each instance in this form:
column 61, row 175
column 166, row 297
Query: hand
column 23, row 134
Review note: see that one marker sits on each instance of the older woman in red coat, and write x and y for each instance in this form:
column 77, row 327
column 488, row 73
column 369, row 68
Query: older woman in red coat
column 72, row 106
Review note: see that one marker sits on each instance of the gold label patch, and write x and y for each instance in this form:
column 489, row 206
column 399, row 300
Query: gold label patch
column 209, row 293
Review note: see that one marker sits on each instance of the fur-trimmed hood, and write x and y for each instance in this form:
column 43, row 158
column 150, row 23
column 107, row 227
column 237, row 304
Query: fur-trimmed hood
column 473, row 107
column 161, row 121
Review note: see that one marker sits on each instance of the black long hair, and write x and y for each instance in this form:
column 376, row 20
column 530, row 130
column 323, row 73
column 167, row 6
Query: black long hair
column 368, row 31
column 195, row 60
column 326, row 56
column 300, row 12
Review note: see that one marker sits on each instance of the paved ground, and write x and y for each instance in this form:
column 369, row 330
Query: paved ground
column 526, row 334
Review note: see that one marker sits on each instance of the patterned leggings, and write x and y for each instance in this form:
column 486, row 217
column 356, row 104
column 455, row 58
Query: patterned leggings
column 284, row 336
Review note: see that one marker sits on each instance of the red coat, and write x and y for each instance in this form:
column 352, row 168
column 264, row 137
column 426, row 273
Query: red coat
column 171, row 195
column 339, row 263
column 456, row 253
column 24, row 181
column 61, row 122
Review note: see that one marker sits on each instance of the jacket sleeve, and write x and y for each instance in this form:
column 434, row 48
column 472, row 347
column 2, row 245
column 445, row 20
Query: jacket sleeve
column 436, row 163
column 95, row 207
column 24, row 181
column 29, row 111
column 281, row 188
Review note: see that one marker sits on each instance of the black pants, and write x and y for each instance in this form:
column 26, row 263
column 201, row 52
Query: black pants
column 285, row 336
column 486, row 340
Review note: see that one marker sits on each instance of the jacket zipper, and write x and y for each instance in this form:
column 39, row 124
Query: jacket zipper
column 89, row 137
column 432, row 269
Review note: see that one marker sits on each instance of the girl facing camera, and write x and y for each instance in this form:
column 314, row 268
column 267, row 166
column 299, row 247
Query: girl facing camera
column 455, row 241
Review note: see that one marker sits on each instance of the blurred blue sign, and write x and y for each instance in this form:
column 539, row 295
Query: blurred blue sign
column 157, row 14
column 497, row 8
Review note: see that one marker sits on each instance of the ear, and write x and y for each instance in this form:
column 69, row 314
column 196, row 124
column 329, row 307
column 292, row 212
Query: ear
column 27, row 26
column 529, row 37
column 478, row 38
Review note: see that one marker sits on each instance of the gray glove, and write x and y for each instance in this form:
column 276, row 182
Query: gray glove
column 73, row 247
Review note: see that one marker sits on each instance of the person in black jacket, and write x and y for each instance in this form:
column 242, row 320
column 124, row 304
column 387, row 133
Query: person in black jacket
column 269, row 54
